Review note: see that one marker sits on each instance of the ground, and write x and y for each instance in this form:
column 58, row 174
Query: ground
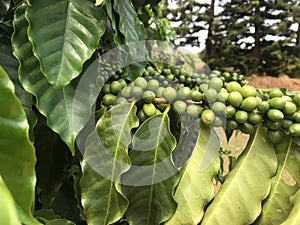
column 266, row 82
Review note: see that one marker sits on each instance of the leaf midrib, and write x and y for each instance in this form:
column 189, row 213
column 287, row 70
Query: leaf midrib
column 65, row 34
column 236, row 174
column 154, row 166
column 279, row 175
column 113, row 168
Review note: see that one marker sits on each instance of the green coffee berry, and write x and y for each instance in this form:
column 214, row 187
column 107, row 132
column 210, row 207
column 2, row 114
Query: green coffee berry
column 196, row 96
column 152, row 85
column 162, row 106
column 194, row 110
column 249, row 103
column 296, row 99
column 207, row 117
column 215, row 83
column 140, row 82
column 180, row 106
column 233, row 86
column 272, row 125
column 241, row 116
column 254, row 118
column 169, row 94
column 183, row 93
column 223, row 95
column 141, row 115
column 232, row 124
column 126, row 92
column 275, row 136
column 289, row 108
column 210, row 95
column 247, row 128
column 115, row 87
column 235, row 99
column 263, row 107
column 248, row 91
column 275, row 115
column 106, row 89
column 277, row 103
column 137, row 92
column 294, row 129
column 203, row 87
column 149, row 109
column 219, row 108
column 230, row 111
column 275, row 93
column 108, row 99
column 148, row 96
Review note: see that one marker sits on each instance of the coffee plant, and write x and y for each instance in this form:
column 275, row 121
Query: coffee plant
column 141, row 143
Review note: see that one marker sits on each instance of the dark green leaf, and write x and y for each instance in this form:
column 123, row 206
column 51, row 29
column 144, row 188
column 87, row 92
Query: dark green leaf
column 133, row 30
column 105, row 159
column 67, row 38
column 64, row 116
column 4, row 6
column 48, row 214
column 48, row 217
column 129, row 24
column 113, row 16
column 17, row 154
column 151, row 180
column 10, row 65
column 58, row 222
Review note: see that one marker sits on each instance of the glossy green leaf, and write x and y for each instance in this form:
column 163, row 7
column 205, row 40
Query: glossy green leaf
column 129, row 24
column 105, row 159
column 150, row 182
column 113, row 16
column 245, row 187
column 67, row 38
column 58, row 222
column 10, row 65
column 48, row 217
column 284, row 185
column 17, row 154
column 133, row 30
column 187, row 136
column 294, row 216
column 63, row 115
column 7, row 207
column 48, row 214
column 196, row 187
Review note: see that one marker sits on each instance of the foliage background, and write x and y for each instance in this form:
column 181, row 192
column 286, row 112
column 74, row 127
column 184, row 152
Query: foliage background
column 45, row 47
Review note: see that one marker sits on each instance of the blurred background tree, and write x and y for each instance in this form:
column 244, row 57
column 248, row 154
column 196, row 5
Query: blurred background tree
column 247, row 36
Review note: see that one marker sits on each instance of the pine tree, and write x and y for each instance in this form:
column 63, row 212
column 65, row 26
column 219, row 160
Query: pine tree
column 258, row 33
column 189, row 17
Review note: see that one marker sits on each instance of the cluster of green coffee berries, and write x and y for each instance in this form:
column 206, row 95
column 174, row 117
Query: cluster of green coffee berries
column 281, row 114
column 218, row 99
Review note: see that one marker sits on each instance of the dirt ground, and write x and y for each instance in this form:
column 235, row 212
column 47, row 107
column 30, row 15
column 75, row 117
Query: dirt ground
column 266, row 82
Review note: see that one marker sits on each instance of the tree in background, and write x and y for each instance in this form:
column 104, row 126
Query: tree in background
column 188, row 18
column 251, row 36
